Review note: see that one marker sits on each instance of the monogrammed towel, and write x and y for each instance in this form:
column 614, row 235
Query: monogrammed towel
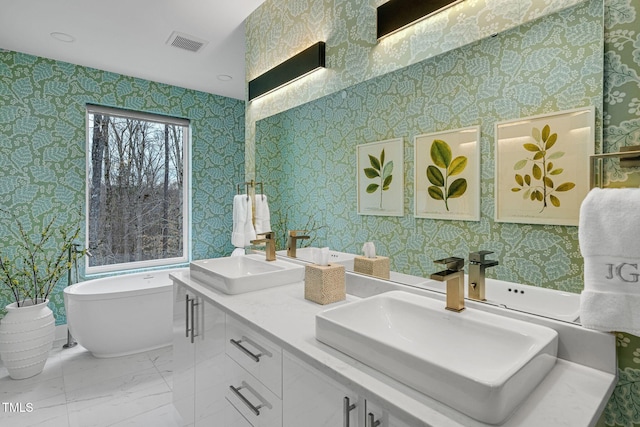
column 609, row 236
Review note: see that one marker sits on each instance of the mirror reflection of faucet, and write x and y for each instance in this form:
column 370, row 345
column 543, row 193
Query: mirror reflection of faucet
column 477, row 266
column 292, row 241
column 453, row 275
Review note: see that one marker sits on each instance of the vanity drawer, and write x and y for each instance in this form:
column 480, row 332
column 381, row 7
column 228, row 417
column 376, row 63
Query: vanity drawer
column 233, row 418
column 250, row 398
column 259, row 356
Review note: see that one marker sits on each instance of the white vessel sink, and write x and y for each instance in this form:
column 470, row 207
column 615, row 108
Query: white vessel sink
column 237, row 275
column 530, row 299
column 481, row 364
column 335, row 257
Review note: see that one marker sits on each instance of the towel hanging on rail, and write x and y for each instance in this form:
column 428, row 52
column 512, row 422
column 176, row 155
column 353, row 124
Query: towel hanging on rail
column 243, row 231
column 609, row 236
column 263, row 217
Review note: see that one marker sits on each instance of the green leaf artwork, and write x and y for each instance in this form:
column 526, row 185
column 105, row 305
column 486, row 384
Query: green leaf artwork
column 539, row 186
column 383, row 171
column 440, row 189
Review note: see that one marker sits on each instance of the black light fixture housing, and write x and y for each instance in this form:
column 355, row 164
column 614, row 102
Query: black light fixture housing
column 293, row 68
column 397, row 14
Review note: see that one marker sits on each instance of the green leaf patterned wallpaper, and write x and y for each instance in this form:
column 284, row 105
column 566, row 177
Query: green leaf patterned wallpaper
column 621, row 125
column 550, row 64
column 279, row 29
column 345, row 25
column 42, row 145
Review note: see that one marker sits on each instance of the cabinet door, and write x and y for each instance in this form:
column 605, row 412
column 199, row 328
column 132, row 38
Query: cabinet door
column 312, row 399
column 183, row 356
column 209, row 364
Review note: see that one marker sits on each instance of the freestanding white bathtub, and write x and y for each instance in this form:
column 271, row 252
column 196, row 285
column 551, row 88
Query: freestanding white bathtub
column 120, row 315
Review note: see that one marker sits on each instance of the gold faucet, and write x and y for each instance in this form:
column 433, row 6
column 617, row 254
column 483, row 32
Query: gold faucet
column 270, row 250
column 454, row 276
column 477, row 267
column 291, row 242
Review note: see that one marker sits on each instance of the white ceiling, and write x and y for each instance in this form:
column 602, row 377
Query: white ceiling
column 129, row 37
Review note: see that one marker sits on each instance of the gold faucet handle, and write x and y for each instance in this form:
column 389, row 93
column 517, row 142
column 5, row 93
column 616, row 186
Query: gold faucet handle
column 479, row 258
column 451, row 263
column 268, row 236
column 294, row 233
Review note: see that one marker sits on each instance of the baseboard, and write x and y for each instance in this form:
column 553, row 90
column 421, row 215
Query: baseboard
column 61, row 333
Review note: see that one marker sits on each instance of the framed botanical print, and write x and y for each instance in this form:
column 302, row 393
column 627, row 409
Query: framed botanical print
column 380, row 180
column 542, row 167
column 447, row 175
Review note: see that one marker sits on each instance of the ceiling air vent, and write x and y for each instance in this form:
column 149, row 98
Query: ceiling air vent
column 186, row 42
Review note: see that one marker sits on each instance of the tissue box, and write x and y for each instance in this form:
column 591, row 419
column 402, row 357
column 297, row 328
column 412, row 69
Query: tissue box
column 324, row 284
column 378, row 266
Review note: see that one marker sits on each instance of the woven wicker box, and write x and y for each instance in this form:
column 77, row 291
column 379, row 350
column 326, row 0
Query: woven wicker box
column 324, row 284
column 378, row 266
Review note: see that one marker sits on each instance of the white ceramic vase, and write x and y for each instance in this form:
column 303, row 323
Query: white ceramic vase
column 26, row 337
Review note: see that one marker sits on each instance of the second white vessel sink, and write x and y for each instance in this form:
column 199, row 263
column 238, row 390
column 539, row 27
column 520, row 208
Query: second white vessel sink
column 237, row 275
column 481, row 364
column 335, row 257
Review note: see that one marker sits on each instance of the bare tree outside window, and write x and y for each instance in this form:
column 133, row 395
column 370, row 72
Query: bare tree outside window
column 135, row 189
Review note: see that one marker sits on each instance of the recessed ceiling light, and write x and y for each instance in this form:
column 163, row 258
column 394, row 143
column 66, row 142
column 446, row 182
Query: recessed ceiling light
column 224, row 77
column 63, row 37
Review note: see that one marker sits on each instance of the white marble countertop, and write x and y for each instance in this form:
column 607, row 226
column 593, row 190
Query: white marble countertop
column 572, row 394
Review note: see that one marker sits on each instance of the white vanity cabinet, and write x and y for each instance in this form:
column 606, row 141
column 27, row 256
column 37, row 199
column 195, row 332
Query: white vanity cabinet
column 253, row 368
column 198, row 353
column 312, row 399
column 183, row 356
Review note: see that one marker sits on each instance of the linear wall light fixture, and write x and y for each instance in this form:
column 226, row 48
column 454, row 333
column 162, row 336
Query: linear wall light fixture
column 395, row 15
column 293, row 68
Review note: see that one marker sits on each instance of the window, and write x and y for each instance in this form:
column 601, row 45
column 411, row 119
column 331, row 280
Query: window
column 137, row 189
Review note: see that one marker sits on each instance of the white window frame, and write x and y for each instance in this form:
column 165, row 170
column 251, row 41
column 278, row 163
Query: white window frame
column 186, row 189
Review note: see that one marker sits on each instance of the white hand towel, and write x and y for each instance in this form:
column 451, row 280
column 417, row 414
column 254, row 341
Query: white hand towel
column 609, row 236
column 238, row 252
column 239, row 216
column 263, row 217
column 249, row 230
column 243, row 231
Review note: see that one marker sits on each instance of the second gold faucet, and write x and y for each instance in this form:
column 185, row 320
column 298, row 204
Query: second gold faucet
column 477, row 267
column 292, row 241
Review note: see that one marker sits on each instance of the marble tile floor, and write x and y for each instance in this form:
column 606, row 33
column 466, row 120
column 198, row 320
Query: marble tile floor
column 78, row 390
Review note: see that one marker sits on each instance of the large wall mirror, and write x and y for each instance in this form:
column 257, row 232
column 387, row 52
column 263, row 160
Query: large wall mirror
column 306, row 156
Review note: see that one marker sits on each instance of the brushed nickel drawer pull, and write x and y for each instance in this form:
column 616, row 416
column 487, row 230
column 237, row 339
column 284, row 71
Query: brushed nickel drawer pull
column 186, row 311
column 193, row 320
column 236, row 391
column 372, row 421
column 237, row 343
column 347, row 407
